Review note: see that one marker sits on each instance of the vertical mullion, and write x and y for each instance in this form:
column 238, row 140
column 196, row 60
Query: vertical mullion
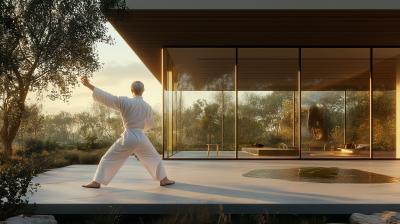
column 299, row 89
column 371, row 104
column 345, row 115
column 236, row 104
column 162, row 92
column 294, row 118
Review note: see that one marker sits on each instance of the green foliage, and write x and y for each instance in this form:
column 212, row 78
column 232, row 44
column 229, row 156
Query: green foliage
column 3, row 159
column 100, row 144
column 16, row 182
column 51, row 144
column 48, row 44
column 90, row 143
column 268, row 117
column 337, row 136
column 99, row 120
column 32, row 124
column 33, row 146
column 67, row 146
column 384, row 145
column 73, row 158
column 79, row 146
column 61, row 158
column 19, row 152
column 91, row 158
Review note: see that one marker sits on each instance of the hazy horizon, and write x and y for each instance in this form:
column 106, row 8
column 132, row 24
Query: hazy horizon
column 121, row 67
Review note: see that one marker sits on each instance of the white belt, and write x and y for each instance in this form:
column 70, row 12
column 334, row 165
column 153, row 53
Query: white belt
column 133, row 129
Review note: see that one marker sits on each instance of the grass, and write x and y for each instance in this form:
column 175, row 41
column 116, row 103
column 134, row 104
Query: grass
column 64, row 157
column 60, row 158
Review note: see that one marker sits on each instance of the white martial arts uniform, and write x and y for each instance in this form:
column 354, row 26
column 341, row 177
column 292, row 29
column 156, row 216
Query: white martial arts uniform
column 137, row 117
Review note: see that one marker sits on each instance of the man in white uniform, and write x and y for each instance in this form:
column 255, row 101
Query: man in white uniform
column 137, row 117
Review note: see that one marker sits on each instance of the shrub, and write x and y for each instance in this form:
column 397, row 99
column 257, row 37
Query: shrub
column 79, row 146
column 59, row 162
column 33, row 146
column 100, row 144
column 68, row 146
column 50, row 144
column 90, row 142
column 3, row 158
column 91, row 158
column 16, row 182
column 18, row 152
column 72, row 157
column 384, row 145
column 45, row 153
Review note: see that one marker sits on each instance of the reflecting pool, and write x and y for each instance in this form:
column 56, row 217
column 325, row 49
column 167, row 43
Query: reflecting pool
column 323, row 175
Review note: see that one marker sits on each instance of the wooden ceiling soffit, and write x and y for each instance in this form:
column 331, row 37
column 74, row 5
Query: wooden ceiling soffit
column 147, row 31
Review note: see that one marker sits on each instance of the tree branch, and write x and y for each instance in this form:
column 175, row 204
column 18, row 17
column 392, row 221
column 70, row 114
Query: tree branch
column 23, row 54
column 17, row 74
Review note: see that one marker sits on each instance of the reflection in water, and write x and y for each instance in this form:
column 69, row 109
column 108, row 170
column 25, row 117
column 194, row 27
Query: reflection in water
column 323, row 175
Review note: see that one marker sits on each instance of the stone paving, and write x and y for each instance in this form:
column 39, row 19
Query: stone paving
column 216, row 183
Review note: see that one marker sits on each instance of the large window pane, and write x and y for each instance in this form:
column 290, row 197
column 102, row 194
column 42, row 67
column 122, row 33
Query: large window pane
column 335, row 102
column 386, row 79
column 267, row 92
column 201, row 102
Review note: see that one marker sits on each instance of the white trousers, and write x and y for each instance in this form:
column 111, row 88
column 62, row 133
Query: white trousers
column 131, row 141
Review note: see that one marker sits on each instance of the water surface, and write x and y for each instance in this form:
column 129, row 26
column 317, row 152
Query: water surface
column 323, row 175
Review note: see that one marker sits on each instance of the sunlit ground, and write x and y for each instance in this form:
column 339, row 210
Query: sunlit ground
column 200, row 182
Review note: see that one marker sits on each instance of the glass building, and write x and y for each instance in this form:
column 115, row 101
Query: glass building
column 235, row 97
column 304, row 84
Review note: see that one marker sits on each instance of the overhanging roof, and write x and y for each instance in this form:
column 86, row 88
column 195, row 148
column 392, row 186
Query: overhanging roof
column 148, row 30
column 263, row 4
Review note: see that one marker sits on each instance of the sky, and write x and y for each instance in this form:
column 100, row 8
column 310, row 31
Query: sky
column 121, row 68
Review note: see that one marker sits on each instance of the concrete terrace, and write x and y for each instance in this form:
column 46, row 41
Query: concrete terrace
column 213, row 183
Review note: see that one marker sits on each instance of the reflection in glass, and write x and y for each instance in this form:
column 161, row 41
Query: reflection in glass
column 386, row 70
column 267, row 96
column 335, row 102
column 199, row 92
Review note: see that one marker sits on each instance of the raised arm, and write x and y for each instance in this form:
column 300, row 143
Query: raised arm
column 86, row 83
column 102, row 96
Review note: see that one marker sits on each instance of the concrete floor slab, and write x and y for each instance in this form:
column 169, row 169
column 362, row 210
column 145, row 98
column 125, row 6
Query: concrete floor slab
column 304, row 155
column 211, row 184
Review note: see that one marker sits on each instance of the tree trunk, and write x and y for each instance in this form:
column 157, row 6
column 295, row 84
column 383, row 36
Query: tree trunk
column 8, row 148
column 8, row 133
column 9, row 129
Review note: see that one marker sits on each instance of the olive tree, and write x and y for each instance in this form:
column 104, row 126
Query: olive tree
column 46, row 45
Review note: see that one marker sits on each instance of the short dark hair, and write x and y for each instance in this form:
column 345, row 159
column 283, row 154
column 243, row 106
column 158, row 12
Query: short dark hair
column 137, row 87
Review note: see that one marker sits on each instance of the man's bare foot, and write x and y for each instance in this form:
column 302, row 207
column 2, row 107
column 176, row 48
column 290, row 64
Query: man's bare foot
column 166, row 181
column 92, row 184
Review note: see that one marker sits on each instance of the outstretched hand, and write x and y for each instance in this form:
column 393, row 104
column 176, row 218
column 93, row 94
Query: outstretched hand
column 86, row 82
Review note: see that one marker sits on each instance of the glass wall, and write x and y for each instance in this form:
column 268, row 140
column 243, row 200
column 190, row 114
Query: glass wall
column 335, row 102
column 386, row 73
column 267, row 90
column 333, row 121
column 199, row 102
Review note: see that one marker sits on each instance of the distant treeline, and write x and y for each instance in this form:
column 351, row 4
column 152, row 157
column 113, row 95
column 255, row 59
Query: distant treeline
column 262, row 117
column 98, row 123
